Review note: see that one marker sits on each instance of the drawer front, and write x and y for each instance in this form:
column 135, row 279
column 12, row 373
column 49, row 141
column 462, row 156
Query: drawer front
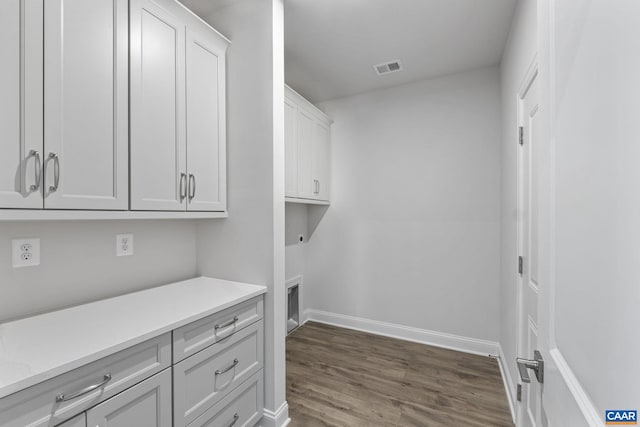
column 144, row 404
column 203, row 379
column 244, row 406
column 37, row 405
column 200, row 334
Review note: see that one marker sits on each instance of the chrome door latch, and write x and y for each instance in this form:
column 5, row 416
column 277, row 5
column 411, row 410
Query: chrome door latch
column 537, row 365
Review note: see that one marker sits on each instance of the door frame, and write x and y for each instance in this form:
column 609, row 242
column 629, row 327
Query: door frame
column 530, row 75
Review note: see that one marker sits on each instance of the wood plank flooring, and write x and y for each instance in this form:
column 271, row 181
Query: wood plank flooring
column 340, row 377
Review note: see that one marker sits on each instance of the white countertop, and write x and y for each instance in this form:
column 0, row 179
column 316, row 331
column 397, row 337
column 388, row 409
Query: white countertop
column 37, row 348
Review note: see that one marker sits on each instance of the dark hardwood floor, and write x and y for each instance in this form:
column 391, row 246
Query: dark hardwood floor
column 340, row 377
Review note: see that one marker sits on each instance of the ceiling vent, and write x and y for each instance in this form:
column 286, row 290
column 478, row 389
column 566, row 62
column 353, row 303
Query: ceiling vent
column 388, row 67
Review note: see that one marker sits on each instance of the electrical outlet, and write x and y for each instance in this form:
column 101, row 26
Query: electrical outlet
column 124, row 244
column 25, row 252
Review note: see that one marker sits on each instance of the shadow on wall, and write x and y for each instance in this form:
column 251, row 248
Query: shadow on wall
column 301, row 221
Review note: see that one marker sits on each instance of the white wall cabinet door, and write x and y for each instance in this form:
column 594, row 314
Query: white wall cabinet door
column 206, row 130
column 86, row 104
column 147, row 404
column 20, row 103
column 291, row 149
column 321, row 160
column 158, row 143
column 306, row 128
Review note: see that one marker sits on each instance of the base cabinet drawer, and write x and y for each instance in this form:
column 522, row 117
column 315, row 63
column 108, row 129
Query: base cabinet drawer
column 61, row 398
column 203, row 379
column 147, row 404
column 240, row 408
column 78, row 421
column 200, row 334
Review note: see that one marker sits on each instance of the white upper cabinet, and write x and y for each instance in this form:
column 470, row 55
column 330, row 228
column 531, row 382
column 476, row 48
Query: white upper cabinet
column 307, row 150
column 158, row 144
column 206, row 126
column 86, row 104
column 178, row 138
column 290, row 149
column 21, row 103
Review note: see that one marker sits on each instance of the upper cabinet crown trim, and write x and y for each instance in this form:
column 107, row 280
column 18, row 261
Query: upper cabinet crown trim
column 320, row 115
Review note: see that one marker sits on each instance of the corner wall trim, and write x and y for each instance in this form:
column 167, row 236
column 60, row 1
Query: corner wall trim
column 508, row 382
column 589, row 411
column 279, row 418
column 407, row 333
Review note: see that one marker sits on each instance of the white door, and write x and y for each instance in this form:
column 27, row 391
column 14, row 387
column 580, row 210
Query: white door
column 321, row 154
column 291, row 149
column 77, row 421
column 529, row 263
column 305, row 132
column 20, row 103
column 86, row 104
column 206, row 136
column 147, row 404
column 158, row 143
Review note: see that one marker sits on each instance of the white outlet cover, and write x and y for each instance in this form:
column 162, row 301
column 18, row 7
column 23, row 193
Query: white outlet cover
column 25, row 252
column 124, row 244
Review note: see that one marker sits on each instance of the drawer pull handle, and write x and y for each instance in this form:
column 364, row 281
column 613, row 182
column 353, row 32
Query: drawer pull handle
column 229, row 323
column 65, row 397
column 233, row 365
column 235, row 419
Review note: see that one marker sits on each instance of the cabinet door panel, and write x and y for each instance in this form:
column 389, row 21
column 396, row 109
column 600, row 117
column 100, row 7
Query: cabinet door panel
column 206, row 157
column 21, row 102
column 79, row 421
column 86, row 104
column 158, row 147
column 147, row 404
column 291, row 149
column 305, row 131
column 321, row 159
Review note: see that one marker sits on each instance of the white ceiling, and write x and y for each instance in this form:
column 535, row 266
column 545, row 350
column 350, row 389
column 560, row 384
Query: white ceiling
column 332, row 45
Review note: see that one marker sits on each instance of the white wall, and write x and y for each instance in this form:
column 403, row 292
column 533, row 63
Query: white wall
column 245, row 246
column 597, row 197
column 519, row 53
column 79, row 262
column 412, row 233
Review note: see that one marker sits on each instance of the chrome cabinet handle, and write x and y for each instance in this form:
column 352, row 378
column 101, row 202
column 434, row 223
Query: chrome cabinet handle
column 315, row 186
column 36, row 154
column 235, row 419
column 56, row 172
column 183, row 186
column 192, row 186
column 229, row 323
column 227, row 369
column 64, row 397
column 318, row 187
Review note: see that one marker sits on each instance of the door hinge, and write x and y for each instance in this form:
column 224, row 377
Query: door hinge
column 521, row 135
column 519, row 393
column 520, row 265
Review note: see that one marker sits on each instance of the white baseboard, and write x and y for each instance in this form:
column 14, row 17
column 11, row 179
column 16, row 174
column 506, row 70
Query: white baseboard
column 407, row 333
column 591, row 415
column 509, row 386
column 279, row 418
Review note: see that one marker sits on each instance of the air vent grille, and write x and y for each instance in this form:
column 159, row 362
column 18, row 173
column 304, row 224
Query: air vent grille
column 388, row 67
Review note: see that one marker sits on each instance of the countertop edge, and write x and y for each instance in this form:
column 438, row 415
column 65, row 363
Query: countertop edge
column 40, row 377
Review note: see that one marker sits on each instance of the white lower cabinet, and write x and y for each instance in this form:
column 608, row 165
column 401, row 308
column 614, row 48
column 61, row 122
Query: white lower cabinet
column 79, row 421
column 147, row 404
column 242, row 407
column 202, row 380
column 214, row 380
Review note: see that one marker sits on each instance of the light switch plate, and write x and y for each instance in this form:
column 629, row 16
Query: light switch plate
column 124, row 244
column 25, row 252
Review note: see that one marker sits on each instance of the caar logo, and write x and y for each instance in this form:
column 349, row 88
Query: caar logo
column 621, row 417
